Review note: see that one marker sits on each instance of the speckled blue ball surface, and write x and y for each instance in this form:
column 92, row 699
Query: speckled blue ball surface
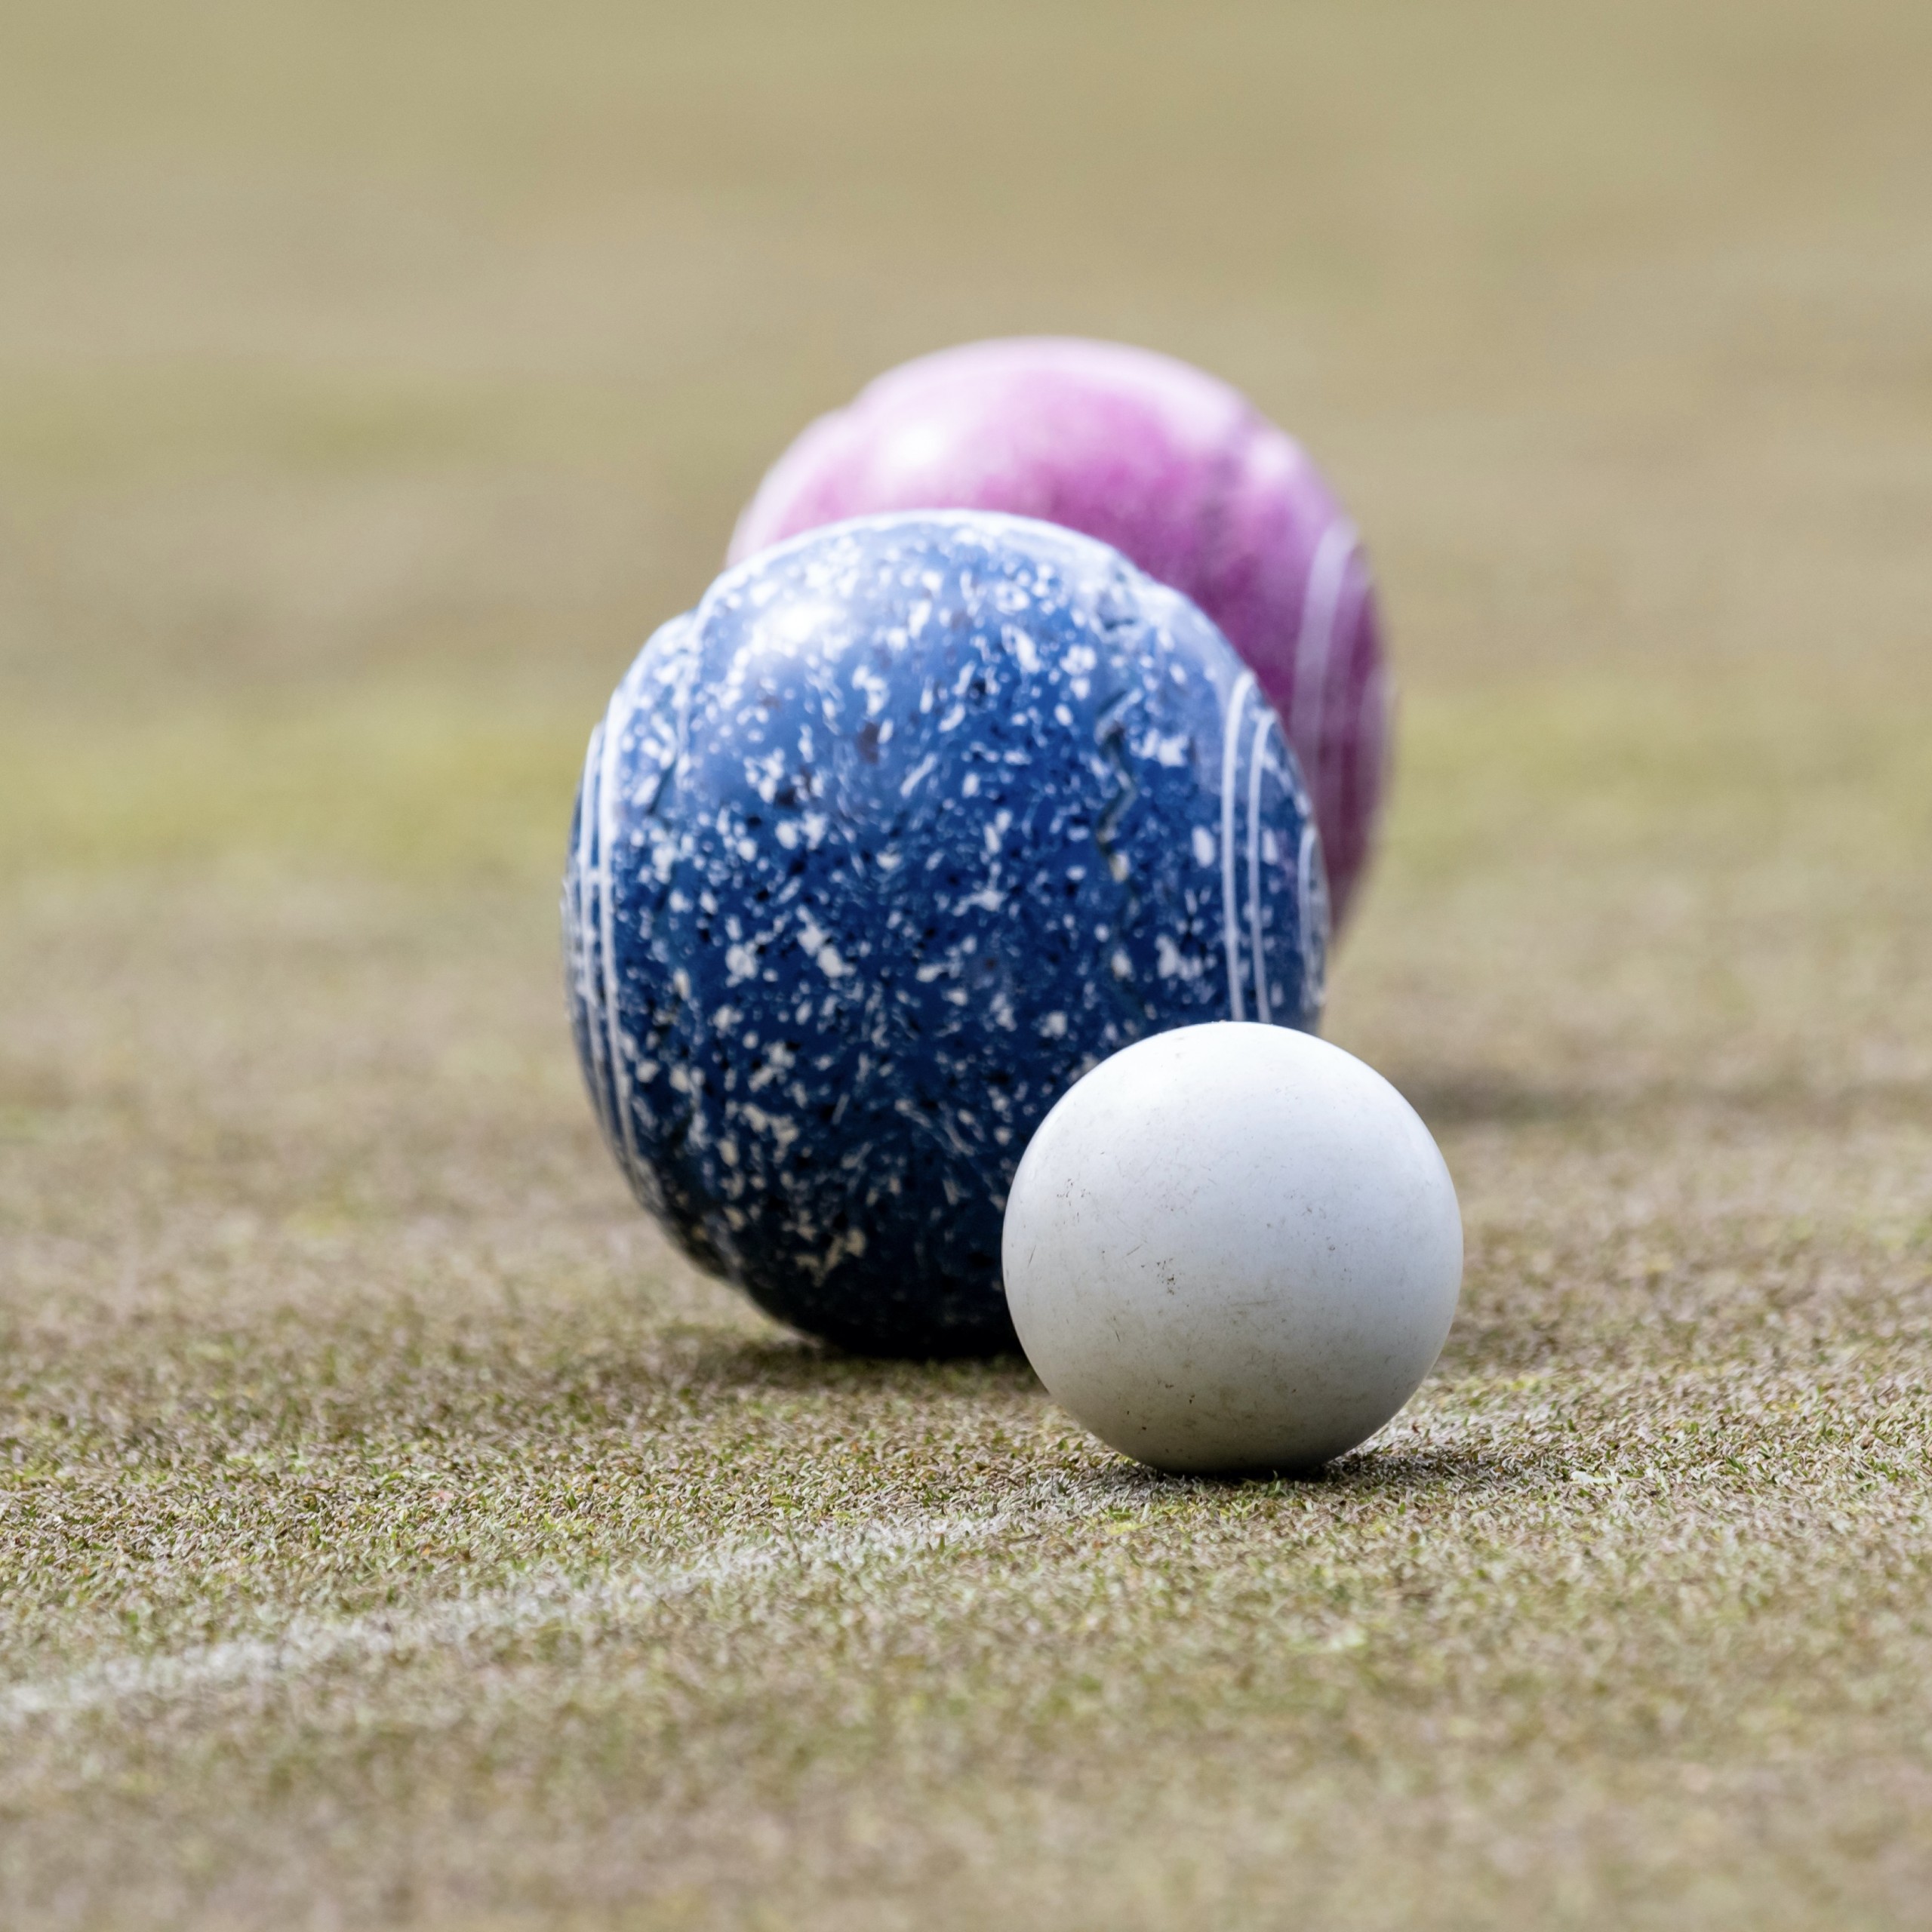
column 912, row 821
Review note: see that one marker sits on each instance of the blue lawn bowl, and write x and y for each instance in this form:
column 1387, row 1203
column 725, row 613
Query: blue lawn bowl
column 912, row 821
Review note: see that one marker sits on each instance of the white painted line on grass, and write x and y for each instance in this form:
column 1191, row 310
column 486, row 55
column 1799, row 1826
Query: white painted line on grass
column 309, row 1645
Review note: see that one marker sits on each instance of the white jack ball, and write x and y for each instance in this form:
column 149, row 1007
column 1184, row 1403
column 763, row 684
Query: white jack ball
column 1232, row 1247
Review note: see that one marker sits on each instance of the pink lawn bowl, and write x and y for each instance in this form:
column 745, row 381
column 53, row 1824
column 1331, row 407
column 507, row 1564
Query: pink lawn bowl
column 1172, row 467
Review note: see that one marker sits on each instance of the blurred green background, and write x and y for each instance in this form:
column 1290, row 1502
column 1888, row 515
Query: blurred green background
column 373, row 378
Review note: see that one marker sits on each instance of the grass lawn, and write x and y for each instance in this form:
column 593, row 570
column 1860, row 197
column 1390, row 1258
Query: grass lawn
column 393, row 1532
